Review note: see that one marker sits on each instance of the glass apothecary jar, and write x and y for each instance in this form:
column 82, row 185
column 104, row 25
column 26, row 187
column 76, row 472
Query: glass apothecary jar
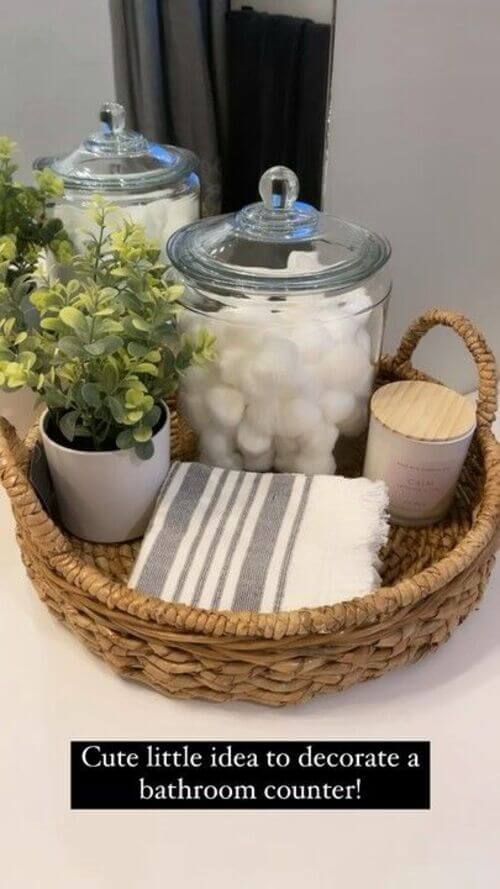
column 156, row 185
column 297, row 301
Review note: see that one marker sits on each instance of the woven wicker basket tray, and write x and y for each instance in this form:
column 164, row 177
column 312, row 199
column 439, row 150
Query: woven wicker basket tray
column 432, row 578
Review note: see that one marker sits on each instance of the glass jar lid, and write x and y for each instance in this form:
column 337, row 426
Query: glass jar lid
column 116, row 159
column 275, row 246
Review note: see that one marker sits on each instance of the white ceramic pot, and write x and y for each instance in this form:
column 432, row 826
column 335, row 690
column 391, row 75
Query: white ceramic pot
column 107, row 496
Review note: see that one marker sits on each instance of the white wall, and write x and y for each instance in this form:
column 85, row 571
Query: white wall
column 415, row 153
column 317, row 10
column 56, row 69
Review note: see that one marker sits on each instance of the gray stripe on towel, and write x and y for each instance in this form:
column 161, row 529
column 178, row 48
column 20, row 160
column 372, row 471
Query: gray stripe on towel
column 299, row 515
column 250, row 586
column 216, row 538
column 170, row 536
column 219, row 589
column 199, row 534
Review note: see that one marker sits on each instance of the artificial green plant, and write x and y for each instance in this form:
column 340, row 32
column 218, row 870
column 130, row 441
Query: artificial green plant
column 103, row 352
column 26, row 227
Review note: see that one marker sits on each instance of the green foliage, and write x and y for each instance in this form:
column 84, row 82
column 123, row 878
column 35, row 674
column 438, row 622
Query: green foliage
column 24, row 222
column 103, row 351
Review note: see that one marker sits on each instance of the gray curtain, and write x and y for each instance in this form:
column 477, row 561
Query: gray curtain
column 169, row 62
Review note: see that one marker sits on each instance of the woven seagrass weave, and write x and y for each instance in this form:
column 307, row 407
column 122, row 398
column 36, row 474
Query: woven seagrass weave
column 432, row 578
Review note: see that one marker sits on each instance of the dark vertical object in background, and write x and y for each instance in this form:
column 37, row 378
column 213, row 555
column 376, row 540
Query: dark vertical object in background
column 244, row 90
column 278, row 69
column 169, row 60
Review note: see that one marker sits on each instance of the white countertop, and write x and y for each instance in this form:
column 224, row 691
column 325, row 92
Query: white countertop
column 53, row 690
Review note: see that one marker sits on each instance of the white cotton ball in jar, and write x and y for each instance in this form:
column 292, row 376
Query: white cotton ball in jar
column 312, row 339
column 231, row 362
column 358, row 304
column 225, row 405
column 337, row 405
column 272, row 367
column 341, row 328
column 251, row 440
column 198, row 378
column 192, row 407
column 364, row 341
column 240, row 327
column 320, row 440
column 263, row 414
column 356, row 422
column 286, row 447
column 259, row 462
column 298, row 416
column 313, row 464
column 215, row 443
column 347, row 367
column 216, row 448
column 284, row 462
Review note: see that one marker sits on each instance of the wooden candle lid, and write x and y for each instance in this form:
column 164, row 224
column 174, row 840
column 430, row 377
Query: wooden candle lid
column 424, row 411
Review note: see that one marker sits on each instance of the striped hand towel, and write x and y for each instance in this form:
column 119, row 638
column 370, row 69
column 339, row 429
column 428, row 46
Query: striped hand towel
column 246, row 541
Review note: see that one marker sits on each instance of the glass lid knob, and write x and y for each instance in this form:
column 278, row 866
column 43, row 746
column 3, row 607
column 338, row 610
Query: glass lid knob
column 279, row 188
column 112, row 115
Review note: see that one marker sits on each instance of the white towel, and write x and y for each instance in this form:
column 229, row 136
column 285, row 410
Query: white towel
column 246, row 541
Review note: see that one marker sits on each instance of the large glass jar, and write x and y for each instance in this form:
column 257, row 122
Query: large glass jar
column 156, row 185
column 296, row 300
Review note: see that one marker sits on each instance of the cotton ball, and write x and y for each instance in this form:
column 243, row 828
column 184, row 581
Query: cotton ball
column 341, row 329
column 304, row 261
column 337, row 405
column 364, row 341
column 347, row 367
column 242, row 326
column 197, row 379
column 313, row 464
column 250, row 440
column 358, row 303
column 273, row 367
column 192, row 407
column 225, row 405
column 216, row 446
column 285, row 462
column 363, row 384
column 320, row 440
column 298, row 416
column 259, row 462
column 356, row 422
column 231, row 361
column 263, row 414
column 286, row 447
column 231, row 460
column 313, row 340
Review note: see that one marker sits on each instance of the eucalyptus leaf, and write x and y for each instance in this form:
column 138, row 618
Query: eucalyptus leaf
column 153, row 417
column 110, row 376
column 142, row 433
column 91, row 395
column 117, row 410
column 70, row 346
column 105, row 346
column 125, row 439
column 137, row 350
column 75, row 319
column 67, row 424
column 145, row 450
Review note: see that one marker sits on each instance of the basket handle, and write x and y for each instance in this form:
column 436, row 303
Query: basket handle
column 477, row 346
column 14, row 458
